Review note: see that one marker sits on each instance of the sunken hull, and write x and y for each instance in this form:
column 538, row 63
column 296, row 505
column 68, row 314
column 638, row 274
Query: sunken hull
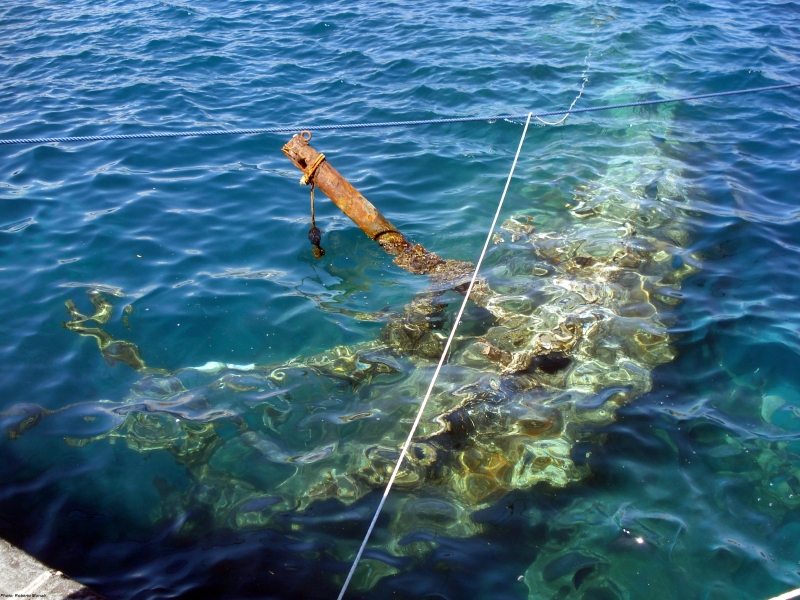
column 575, row 318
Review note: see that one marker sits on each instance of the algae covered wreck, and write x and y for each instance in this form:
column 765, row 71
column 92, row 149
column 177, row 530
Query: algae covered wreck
column 574, row 318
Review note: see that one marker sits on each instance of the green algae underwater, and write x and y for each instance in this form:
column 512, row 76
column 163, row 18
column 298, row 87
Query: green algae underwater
column 195, row 407
column 572, row 320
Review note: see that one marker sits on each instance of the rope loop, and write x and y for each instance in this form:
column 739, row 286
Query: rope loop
column 308, row 172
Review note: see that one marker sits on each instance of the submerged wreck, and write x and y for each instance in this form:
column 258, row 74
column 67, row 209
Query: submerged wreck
column 575, row 321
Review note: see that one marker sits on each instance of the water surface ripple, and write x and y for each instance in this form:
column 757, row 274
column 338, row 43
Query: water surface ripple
column 199, row 244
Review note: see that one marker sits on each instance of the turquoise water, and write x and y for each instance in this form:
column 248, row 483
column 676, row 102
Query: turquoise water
column 675, row 471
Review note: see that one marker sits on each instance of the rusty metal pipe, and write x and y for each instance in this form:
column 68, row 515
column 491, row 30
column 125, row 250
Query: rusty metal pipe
column 411, row 257
column 360, row 210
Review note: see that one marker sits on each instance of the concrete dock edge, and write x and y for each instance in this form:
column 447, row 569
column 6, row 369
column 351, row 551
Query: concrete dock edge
column 22, row 576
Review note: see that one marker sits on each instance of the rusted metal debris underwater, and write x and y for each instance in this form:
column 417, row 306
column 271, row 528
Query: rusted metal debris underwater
column 577, row 317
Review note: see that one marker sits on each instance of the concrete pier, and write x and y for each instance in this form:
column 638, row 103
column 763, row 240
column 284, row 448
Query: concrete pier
column 22, row 576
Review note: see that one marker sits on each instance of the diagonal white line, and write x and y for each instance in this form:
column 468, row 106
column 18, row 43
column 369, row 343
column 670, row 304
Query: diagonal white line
column 788, row 595
column 438, row 367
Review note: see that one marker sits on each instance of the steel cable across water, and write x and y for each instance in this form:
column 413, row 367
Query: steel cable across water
column 345, row 126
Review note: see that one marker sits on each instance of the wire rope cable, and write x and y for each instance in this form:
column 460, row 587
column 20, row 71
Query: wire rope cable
column 438, row 366
column 345, row 126
column 584, row 81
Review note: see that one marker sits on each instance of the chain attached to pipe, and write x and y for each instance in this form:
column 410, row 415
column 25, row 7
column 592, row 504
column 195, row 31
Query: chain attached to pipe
column 314, row 234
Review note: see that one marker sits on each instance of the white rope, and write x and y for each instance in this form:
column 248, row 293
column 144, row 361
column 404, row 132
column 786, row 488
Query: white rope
column 788, row 595
column 438, row 368
column 580, row 93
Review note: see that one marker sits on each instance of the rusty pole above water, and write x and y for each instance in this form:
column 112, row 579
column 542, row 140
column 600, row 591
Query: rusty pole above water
column 318, row 171
column 343, row 194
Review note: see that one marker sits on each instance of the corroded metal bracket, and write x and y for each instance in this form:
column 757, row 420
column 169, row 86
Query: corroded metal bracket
column 318, row 171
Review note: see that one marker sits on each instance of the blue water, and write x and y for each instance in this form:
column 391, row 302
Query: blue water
column 691, row 491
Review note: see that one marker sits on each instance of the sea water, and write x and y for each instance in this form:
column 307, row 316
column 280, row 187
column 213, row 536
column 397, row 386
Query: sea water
column 247, row 458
